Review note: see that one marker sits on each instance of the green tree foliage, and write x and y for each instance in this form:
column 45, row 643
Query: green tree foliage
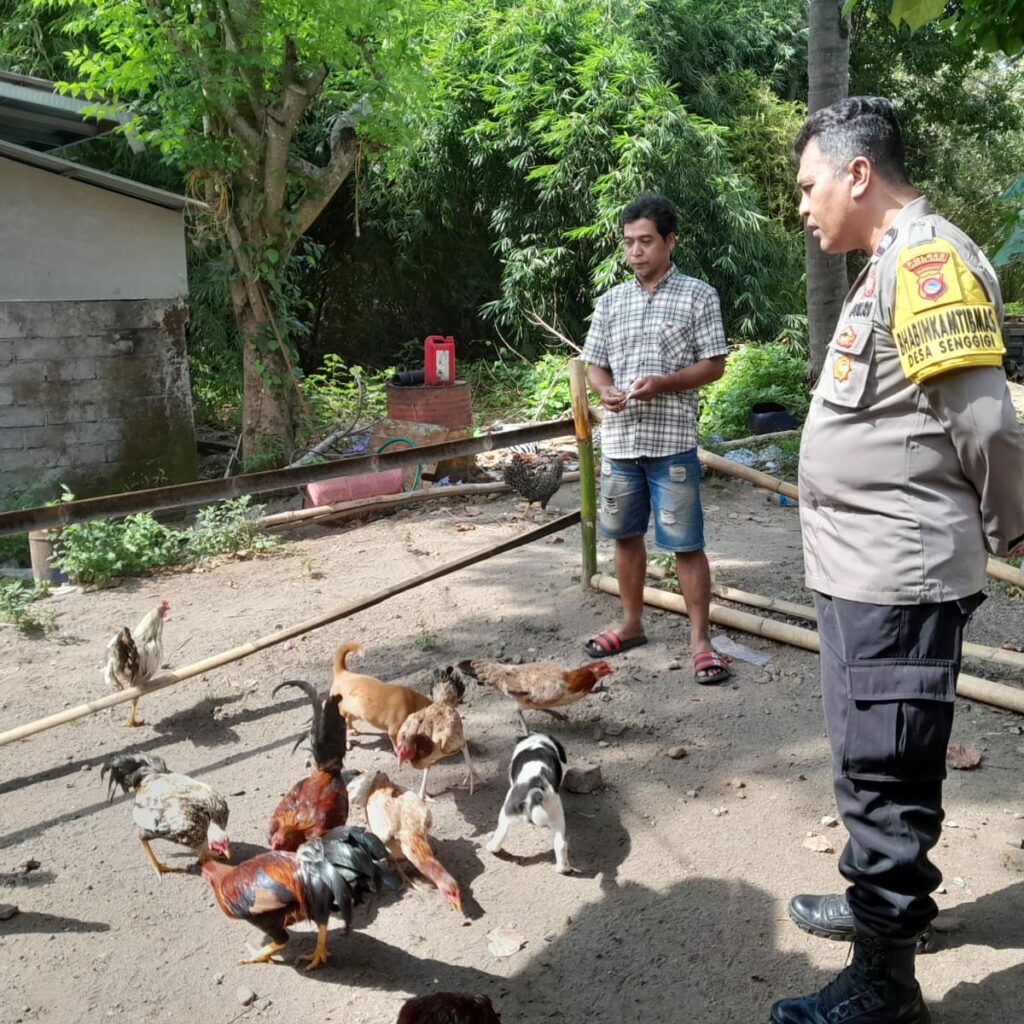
column 961, row 111
column 546, row 117
column 264, row 107
column 753, row 373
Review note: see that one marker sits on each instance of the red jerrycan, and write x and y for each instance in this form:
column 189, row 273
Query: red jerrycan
column 439, row 359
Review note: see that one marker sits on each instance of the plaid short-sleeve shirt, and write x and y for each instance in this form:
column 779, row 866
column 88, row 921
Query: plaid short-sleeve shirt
column 635, row 334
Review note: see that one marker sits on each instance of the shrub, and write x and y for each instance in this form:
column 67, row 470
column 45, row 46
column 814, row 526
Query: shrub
column 753, row 373
column 97, row 551
column 229, row 528
column 16, row 598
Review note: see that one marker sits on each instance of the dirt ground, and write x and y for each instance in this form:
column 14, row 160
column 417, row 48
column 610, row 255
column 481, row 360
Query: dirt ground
column 677, row 910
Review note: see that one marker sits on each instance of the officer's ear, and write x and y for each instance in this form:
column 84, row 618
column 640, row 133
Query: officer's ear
column 861, row 172
column 670, row 239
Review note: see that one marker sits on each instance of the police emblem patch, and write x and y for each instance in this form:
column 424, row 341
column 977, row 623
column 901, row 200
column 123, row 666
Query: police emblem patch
column 842, row 368
column 928, row 269
column 846, row 337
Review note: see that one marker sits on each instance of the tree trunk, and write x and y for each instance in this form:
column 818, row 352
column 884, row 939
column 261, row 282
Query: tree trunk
column 268, row 396
column 828, row 80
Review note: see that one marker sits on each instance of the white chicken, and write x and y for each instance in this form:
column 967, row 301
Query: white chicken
column 134, row 655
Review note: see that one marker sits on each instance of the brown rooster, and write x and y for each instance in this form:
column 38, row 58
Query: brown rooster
column 319, row 802
column 170, row 806
column 134, row 655
column 435, row 731
column 448, row 1008
column 532, row 481
column 538, row 685
column 324, row 876
column 402, row 822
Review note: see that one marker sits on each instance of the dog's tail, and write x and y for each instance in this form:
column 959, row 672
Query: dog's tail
column 535, row 808
column 342, row 653
column 528, row 800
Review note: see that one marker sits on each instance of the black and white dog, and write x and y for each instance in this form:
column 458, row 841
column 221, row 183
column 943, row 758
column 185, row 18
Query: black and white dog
column 535, row 775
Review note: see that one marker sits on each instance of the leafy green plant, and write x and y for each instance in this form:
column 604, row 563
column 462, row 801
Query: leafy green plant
column 16, row 598
column 229, row 528
column 97, row 551
column 753, row 373
column 339, row 394
column 520, row 389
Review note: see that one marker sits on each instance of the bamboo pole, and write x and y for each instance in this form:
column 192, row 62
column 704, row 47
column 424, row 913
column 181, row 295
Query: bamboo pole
column 588, row 485
column 997, row 694
column 741, row 442
column 981, row 652
column 339, row 508
column 753, row 476
column 237, row 653
column 1005, row 572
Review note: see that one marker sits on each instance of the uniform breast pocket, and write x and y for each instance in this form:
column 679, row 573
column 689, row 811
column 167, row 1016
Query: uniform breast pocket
column 847, row 369
column 675, row 342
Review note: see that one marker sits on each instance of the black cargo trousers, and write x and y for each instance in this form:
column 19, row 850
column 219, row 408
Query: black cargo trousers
column 888, row 676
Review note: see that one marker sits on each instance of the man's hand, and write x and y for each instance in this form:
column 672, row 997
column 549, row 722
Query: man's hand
column 612, row 398
column 646, row 388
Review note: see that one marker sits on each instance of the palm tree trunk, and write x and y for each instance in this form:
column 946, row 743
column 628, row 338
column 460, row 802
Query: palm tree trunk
column 828, row 80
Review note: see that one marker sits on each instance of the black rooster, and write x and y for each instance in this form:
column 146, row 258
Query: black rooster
column 448, row 1008
column 532, row 481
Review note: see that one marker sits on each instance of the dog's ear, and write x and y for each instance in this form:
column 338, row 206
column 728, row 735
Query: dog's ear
column 560, row 749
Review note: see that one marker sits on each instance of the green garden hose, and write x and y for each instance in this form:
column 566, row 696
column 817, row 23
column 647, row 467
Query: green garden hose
column 411, row 444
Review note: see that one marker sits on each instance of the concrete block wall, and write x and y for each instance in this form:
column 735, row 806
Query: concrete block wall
column 94, row 394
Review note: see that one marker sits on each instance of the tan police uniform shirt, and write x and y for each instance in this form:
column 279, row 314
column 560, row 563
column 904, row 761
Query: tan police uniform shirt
column 912, row 460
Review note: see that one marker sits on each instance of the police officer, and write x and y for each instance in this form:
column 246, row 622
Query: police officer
column 911, row 472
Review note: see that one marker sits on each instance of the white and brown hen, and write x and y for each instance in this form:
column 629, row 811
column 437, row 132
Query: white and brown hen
column 134, row 655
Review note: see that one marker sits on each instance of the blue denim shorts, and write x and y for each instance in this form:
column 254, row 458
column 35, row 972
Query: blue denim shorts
column 631, row 488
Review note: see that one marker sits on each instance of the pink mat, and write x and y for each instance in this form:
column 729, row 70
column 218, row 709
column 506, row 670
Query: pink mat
column 351, row 488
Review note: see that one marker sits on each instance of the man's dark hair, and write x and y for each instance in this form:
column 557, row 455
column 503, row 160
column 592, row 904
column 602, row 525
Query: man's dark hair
column 858, row 126
column 652, row 206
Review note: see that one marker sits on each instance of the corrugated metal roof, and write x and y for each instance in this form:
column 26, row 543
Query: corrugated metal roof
column 32, row 114
column 78, row 172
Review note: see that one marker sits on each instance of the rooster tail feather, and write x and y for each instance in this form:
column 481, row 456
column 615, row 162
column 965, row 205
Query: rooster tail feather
column 451, row 675
column 327, row 731
column 468, row 668
column 329, row 736
column 128, row 771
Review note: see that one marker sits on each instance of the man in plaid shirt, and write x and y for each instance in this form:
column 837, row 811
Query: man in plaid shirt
column 653, row 342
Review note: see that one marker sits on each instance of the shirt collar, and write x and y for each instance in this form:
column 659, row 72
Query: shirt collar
column 667, row 276
column 918, row 207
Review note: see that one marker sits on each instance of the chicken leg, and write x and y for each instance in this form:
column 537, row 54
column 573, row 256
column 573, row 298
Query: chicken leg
column 470, row 773
column 132, row 721
column 319, row 955
column 160, row 869
column 265, row 954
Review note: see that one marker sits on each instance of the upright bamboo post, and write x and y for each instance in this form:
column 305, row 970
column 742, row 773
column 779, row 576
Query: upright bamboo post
column 588, row 485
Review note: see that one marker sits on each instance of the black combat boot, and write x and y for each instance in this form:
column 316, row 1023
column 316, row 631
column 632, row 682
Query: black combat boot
column 878, row 987
column 830, row 917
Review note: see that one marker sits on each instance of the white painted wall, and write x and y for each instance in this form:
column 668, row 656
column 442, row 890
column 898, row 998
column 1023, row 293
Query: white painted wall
column 67, row 240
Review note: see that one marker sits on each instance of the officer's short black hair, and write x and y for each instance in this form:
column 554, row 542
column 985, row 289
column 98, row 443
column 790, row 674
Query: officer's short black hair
column 652, row 206
column 858, row 126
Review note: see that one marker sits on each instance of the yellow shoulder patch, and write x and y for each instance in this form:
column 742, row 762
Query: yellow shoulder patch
column 943, row 320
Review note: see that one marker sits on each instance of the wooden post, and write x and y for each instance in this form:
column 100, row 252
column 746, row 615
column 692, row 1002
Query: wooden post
column 588, row 485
